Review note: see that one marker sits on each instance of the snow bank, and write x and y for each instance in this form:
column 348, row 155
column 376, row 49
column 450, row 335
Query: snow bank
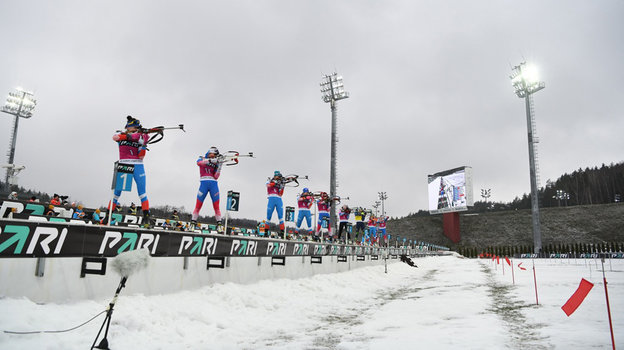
column 446, row 303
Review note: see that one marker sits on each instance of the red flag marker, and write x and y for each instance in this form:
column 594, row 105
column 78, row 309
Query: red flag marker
column 507, row 260
column 577, row 298
column 520, row 267
column 497, row 260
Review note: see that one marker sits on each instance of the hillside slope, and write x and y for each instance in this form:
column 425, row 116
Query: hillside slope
column 576, row 224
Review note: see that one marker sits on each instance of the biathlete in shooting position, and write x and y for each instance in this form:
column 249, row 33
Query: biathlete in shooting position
column 305, row 201
column 372, row 229
column 132, row 150
column 209, row 172
column 360, row 225
column 323, row 204
column 275, row 190
column 344, row 220
column 381, row 231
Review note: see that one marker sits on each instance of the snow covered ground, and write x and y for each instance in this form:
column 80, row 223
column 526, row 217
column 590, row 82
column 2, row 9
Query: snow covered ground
column 446, row 303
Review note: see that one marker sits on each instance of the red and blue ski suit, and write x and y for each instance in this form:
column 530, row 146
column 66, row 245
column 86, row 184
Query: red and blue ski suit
column 323, row 212
column 304, row 202
column 132, row 149
column 382, row 227
column 209, row 172
column 372, row 230
column 275, row 190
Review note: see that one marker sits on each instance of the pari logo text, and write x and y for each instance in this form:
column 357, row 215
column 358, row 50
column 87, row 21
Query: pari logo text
column 129, row 241
column 196, row 245
column 50, row 239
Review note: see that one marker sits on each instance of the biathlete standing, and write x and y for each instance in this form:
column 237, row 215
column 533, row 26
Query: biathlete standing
column 323, row 204
column 360, row 225
column 345, row 211
column 209, row 172
column 372, row 229
column 305, row 201
column 132, row 150
column 275, row 190
column 382, row 221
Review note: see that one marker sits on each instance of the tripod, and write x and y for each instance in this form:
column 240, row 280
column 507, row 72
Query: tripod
column 109, row 313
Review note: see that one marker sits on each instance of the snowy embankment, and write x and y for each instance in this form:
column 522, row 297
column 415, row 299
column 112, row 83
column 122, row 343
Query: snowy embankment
column 447, row 303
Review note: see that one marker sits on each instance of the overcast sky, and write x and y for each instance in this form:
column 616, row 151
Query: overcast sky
column 429, row 85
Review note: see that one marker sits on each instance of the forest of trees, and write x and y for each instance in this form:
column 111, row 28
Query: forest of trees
column 582, row 187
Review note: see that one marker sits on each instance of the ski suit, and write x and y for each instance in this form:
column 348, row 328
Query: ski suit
column 382, row 228
column 132, row 149
column 304, row 202
column 372, row 230
column 360, row 225
column 275, row 190
column 323, row 212
column 344, row 220
column 209, row 172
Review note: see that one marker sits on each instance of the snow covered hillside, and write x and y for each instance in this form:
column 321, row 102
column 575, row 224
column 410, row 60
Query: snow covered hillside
column 445, row 303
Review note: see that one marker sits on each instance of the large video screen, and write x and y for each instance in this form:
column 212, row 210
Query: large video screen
column 450, row 190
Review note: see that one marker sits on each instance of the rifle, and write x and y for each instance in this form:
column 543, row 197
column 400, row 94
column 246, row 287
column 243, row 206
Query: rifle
column 338, row 199
column 294, row 178
column 231, row 157
column 290, row 178
column 158, row 131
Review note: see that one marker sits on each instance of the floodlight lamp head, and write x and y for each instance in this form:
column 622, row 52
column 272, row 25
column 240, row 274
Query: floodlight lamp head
column 332, row 88
column 525, row 80
column 20, row 103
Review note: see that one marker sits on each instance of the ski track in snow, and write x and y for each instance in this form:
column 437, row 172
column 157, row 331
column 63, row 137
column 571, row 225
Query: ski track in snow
column 446, row 303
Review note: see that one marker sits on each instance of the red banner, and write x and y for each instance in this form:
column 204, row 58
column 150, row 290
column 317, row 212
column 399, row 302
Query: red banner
column 577, row 298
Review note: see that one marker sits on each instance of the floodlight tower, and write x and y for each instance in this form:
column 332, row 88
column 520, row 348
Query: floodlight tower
column 376, row 206
column 382, row 197
column 525, row 82
column 332, row 90
column 485, row 194
column 19, row 104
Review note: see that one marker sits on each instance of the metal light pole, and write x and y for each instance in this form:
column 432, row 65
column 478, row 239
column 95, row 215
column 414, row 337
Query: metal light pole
column 332, row 90
column 19, row 104
column 525, row 82
column 382, row 197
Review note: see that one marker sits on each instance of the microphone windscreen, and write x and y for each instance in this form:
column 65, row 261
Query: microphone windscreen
column 127, row 263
